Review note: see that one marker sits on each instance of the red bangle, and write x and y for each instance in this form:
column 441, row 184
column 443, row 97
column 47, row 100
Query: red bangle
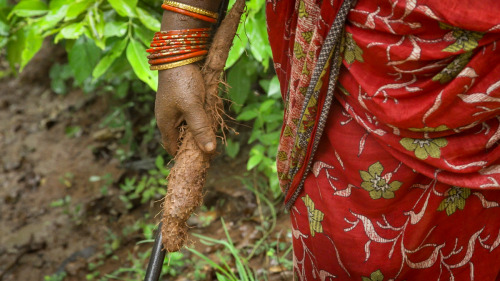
column 184, row 31
column 171, row 48
column 168, row 43
column 177, row 40
column 179, row 36
column 177, row 58
column 172, row 52
column 158, row 49
column 188, row 13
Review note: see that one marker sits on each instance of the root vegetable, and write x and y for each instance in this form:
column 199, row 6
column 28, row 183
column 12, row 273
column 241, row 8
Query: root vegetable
column 188, row 175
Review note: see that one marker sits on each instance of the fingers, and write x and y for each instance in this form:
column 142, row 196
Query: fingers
column 169, row 137
column 199, row 125
column 180, row 97
column 168, row 119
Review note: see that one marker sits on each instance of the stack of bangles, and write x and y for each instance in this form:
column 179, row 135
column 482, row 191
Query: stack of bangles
column 176, row 48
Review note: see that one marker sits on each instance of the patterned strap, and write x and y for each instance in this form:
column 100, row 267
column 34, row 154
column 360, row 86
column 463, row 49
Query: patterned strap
column 330, row 46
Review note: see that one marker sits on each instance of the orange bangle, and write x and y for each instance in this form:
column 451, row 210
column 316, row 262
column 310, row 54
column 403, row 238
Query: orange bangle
column 188, row 13
column 177, row 58
column 159, row 49
column 171, row 52
column 171, row 48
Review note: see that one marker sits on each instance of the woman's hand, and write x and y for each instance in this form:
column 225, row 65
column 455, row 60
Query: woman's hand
column 180, row 97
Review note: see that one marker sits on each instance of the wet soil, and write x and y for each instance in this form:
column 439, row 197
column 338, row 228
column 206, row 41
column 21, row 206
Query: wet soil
column 41, row 164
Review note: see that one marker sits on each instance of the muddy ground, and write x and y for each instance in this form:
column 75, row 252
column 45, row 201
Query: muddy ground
column 40, row 165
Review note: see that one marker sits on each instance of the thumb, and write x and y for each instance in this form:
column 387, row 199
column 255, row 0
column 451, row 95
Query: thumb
column 199, row 125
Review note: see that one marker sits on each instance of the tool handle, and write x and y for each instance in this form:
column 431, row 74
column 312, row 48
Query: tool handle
column 156, row 260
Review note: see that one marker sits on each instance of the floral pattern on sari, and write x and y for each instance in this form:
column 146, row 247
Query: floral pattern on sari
column 407, row 173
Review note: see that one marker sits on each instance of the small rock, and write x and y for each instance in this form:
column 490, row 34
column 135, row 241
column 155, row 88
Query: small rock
column 107, row 134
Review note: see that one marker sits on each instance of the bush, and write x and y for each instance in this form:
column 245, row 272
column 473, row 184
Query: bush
column 105, row 41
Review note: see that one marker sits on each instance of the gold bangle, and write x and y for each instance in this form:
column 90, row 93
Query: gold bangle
column 191, row 9
column 176, row 64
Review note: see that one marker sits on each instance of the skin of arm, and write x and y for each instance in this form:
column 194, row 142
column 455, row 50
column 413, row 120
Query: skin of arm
column 181, row 91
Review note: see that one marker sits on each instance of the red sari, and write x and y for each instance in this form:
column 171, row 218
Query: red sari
column 403, row 183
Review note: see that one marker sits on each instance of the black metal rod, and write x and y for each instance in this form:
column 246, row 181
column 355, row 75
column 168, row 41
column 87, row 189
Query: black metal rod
column 156, row 260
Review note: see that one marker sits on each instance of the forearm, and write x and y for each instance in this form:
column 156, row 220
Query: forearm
column 174, row 21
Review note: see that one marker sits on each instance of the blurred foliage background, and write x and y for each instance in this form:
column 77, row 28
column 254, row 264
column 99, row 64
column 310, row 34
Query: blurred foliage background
column 105, row 42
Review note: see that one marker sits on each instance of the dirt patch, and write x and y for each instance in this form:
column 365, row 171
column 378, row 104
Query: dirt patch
column 54, row 219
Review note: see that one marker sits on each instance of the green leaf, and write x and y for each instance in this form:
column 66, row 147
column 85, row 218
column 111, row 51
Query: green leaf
column 274, row 87
column 77, row 8
column 221, row 277
column 136, row 56
column 159, row 162
column 247, row 115
column 29, row 8
column 232, row 148
column 256, row 156
column 83, row 57
column 271, row 138
column 265, row 106
column 110, row 57
column 239, row 83
column 58, row 75
column 35, row 40
column 148, row 20
column 125, row 8
column 72, row 31
column 55, row 5
column 4, row 29
column 14, row 48
column 143, row 34
column 258, row 39
column 254, row 161
column 96, row 27
column 240, row 42
column 52, row 18
column 255, row 6
column 271, row 87
column 115, row 28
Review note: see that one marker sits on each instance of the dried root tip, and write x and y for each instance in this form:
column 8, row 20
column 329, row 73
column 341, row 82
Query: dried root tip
column 185, row 192
column 173, row 239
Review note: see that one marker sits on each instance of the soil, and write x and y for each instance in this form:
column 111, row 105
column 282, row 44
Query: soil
column 41, row 164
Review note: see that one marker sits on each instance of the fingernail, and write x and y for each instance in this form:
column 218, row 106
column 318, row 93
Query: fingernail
column 209, row 146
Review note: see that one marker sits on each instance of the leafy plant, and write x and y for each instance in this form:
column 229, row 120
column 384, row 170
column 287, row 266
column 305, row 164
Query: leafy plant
column 106, row 182
column 55, row 277
column 73, row 211
column 148, row 187
column 224, row 271
column 98, row 35
column 264, row 109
